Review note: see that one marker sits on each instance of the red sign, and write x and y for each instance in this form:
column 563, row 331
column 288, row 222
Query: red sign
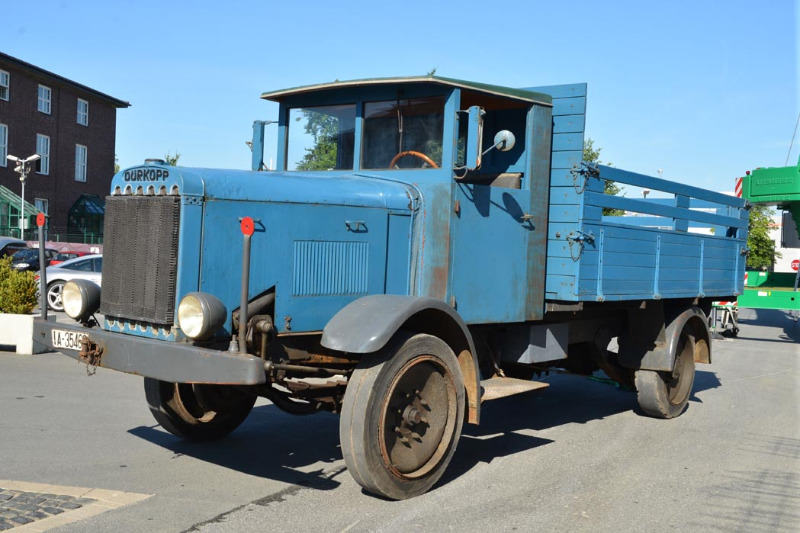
column 248, row 226
column 796, row 265
column 40, row 219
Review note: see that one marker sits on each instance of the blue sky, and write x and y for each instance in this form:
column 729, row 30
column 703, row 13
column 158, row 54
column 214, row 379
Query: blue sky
column 701, row 89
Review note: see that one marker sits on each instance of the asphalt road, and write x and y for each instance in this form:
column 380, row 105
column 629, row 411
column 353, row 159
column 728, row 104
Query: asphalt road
column 575, row 457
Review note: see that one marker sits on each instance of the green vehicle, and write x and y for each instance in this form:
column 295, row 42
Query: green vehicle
column 779, row 187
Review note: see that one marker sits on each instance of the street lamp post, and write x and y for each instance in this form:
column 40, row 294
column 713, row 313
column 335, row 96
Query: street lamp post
column 23, row 168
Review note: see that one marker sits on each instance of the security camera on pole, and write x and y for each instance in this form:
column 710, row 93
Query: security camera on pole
column 24, row 168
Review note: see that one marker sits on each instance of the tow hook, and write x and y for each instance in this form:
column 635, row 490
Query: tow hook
column 90, row 353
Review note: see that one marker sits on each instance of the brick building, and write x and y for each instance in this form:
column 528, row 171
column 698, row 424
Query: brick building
column 73, row 128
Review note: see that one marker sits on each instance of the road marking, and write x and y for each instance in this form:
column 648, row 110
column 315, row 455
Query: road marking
column 107, row 500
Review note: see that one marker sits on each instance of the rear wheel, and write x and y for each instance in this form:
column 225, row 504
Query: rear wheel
column 54, row 295
column 666, row 394
column 402, row 416
column 197, row 412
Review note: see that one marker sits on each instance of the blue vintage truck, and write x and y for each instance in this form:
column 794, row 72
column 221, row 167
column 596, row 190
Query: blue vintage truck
column 425, row 245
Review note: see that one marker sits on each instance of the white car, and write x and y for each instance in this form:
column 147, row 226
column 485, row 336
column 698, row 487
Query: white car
column 87, row 267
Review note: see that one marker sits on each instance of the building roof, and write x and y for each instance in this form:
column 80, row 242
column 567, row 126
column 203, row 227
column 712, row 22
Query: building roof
column 518, row 94
column 60, row 80
column 7, row 196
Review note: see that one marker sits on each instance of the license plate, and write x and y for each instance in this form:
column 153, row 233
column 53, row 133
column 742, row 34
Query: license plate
column 69, row 340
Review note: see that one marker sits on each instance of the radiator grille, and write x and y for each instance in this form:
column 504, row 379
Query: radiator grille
column 140, row 256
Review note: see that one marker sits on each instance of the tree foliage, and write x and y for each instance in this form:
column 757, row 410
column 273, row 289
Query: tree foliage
column 592, row 155
column 762, row 248
column 172, row 160
column 18, row 290
column 323, row 128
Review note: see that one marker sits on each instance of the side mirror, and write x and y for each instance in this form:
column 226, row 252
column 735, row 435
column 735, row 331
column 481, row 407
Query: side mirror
column 474, row 137
column 504, row 141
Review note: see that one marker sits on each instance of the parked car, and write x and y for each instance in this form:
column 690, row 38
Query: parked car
column 27, row 259
column 65, row 256
column 10, row 246
column 87, row 267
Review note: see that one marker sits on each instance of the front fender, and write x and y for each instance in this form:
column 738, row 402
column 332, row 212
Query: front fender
column 366, row 325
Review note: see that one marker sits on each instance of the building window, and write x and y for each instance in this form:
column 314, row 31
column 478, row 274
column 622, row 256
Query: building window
column 44, row 99
column 3, row 144
column 43, row 149
column 80, row 162
column 5, row 79
column 83, row 112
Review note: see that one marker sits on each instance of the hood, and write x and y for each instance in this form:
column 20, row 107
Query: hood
column 246, row 185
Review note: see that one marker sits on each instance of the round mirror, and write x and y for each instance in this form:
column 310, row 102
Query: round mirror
column 504, row 140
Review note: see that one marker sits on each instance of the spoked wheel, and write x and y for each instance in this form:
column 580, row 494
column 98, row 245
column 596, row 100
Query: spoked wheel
column 54, row 295
column 197, row 412
column 402, row 415
column 666, row 394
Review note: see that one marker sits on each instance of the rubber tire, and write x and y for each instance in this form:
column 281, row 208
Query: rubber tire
column 197, row 412
column 362, row 412
column 50, row 287
column 652, row 390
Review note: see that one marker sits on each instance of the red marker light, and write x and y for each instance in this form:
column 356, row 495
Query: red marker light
column 40, row 219
column 747, row 173
column 248, row 226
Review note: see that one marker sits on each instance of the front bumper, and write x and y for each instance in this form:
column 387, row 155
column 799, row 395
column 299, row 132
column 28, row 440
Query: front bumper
column 166, row 361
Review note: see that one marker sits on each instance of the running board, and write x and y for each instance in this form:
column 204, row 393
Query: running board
column 498, row 387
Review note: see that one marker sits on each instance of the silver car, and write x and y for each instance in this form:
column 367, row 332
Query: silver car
column 87, row 267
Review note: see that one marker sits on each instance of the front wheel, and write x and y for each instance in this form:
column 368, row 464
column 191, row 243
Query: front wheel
column 54, row 295
column 666, row 394
column 197, row 412
column 402, row 416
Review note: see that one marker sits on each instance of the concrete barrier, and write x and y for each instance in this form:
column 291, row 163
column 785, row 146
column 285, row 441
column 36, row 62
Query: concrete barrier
column 17, row 331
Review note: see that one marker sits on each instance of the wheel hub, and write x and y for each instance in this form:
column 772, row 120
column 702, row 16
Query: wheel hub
column 418, row 421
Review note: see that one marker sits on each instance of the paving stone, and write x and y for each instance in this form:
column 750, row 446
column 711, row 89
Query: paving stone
column 70, row 505
column 20, row 508
column 27, row 507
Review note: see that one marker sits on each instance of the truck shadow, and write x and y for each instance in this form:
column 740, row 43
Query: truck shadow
column 271, row 444
column 304, row 451
column 506, row 423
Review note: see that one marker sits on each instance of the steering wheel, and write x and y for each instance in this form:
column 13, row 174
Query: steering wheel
column 420, row 155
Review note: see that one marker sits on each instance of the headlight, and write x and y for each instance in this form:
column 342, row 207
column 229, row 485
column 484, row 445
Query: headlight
column 200, row 315
column 80, row 298
column 22, row 265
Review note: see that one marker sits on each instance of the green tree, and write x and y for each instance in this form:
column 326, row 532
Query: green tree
column 323, row 128
column 172, row 159
column 762, row 248
column 116, row 164
column 592, row 155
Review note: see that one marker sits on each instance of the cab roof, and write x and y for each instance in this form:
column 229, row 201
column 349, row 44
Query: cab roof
column 496, row 90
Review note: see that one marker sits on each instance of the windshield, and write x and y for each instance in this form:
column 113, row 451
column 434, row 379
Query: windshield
column 403, row 134
column 26, row 255
column 321, row 138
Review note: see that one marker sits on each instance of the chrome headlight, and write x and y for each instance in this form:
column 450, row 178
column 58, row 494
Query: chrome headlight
column 200, row 315
column 80, row 298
